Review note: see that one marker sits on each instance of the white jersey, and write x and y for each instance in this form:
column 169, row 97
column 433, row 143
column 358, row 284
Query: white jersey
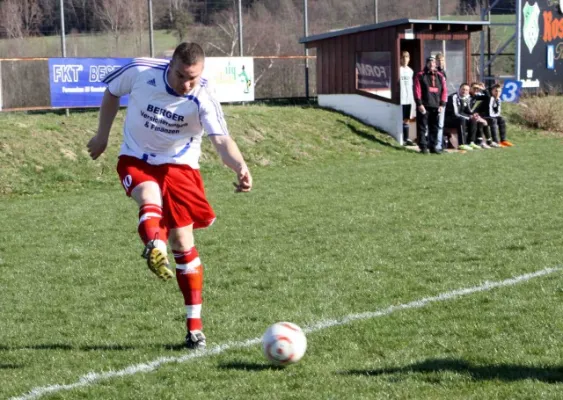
column 406, row 74
column 161, row 126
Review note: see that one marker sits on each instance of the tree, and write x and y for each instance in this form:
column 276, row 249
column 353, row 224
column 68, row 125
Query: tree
column 226, row 23
column 113, row 16
column 21, row 17
column 182, row 20
column 13, row 26
column 31, row 15
column 79, row 14
column 136, row 15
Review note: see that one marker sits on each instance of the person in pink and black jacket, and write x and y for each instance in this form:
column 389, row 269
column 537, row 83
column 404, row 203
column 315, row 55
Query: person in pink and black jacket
column 430, row 96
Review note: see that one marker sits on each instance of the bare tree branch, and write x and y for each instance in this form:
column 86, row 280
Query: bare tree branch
column 9, row 12
column 270, row 65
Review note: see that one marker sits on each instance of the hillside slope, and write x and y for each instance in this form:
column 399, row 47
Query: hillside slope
column 47, row 151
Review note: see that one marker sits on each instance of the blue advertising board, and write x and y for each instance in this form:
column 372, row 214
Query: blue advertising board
column 77, row 82
column 511, row 91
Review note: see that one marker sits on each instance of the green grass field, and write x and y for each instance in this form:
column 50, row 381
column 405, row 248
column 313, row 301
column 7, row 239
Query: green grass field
column 342, row 224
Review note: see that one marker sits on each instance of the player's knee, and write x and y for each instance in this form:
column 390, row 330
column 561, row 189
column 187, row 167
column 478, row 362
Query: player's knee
column 181, row 239
column 147, row 193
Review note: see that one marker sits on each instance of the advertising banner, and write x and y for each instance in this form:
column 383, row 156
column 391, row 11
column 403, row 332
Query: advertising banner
column 77, row 82
column 232, row 78
column 374, row 70
column 541, row 52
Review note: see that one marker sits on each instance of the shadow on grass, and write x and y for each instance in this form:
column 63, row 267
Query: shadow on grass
column 286, row 101
column 244, row 366
column 175, row 346
column 62, row 346
column 10, row 366
column 385, row 139
column 109, row 347
column 311, row 103
column 62, row 111
column 369, row 136
column 503, row 372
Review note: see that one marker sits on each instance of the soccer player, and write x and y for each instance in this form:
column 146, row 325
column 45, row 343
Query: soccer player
column 494, row 119
column 170, row 107
column 478, row 104
column 441, row 68
column 459, row 115
column 406, row 74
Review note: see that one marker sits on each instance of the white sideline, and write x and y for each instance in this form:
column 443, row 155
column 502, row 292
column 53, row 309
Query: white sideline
column 94, row 377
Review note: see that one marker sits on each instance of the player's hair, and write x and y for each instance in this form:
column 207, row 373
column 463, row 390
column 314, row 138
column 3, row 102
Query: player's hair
column 188, row 53
column 439, row 56
column 495, row 86
column 464, row 84
column 405, row 53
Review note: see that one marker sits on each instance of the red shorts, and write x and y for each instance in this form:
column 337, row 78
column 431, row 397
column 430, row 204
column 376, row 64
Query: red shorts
column 183, row 194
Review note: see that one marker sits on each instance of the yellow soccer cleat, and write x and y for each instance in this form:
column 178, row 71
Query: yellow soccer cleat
column 157, row 261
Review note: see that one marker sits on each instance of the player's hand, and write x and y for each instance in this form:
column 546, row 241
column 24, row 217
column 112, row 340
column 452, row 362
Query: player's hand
column 440, row 109
column 422, row 109
column 244, row 181
column 96, row 146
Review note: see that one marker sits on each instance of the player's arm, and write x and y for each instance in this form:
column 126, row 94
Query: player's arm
column 120, row 83
column 108, row 111
column 232, row 158
column 418, row 93
column 213, row 122
column 492, row 112
column 444, row 95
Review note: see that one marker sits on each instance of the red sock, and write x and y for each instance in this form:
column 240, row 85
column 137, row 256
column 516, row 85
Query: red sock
column 149, row 222
column 189, row 273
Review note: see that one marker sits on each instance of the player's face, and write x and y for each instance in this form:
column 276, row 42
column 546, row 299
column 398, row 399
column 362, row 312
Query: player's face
column 431, row 65
column 496, row 93
column 440, row 63
column 405, row 60
column 464, row 91
column 182, row 77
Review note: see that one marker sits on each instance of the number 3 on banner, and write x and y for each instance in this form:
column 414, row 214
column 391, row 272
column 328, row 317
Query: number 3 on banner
column 511, row 91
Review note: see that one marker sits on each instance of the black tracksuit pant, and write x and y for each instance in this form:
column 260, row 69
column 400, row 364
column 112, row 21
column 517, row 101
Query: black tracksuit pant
column 497, row 124
column 427, row 128
column 462, row 126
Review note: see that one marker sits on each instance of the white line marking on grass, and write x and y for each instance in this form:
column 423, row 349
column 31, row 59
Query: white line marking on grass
column 93, row 377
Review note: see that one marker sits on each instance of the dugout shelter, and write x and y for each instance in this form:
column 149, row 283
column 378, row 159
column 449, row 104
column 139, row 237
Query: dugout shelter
column 357, row 68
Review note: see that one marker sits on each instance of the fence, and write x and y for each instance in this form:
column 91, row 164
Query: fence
column 271, row 28
column 25, row 82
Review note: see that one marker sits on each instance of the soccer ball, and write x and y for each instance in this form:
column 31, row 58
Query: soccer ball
column 284, row 343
